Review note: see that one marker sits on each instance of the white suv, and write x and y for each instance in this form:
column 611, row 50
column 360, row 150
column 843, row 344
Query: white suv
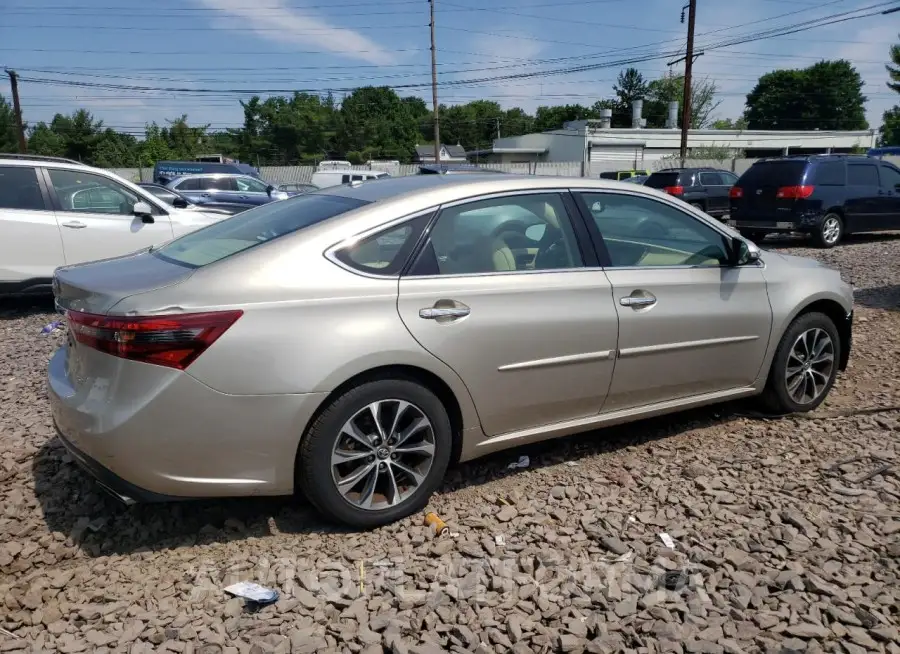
column 56, row 212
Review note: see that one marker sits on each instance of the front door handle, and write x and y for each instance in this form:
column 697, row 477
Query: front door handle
column 637, row 302
column 74, row 224
column 433, row 313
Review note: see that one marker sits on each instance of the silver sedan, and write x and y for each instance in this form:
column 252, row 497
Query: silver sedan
column 353, row 342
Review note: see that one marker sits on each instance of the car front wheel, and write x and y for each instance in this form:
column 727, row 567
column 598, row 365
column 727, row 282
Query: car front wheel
column 805, row 365
column 754, row 235
column 376, row 454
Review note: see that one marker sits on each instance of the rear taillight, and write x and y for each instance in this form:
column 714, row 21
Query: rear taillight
column 736, row 193
column 174, row 341
column 674, row 190
column 794, row 192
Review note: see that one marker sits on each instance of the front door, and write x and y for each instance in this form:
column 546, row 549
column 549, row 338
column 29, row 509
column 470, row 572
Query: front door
column 96, row 217
column 716, row 192
column 251, row 191
column 889, row 215
column 502, row 295
column 863, row 205
column 689, row 324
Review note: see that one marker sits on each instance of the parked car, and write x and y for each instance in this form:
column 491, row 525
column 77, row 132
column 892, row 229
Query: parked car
column 704, row 188
column 225, row 187
column 452, row 169
column 297, row 188
column 165, row 171
column 55, row 211
column 381, row 330
column 637, row 179
column 623, row 175
column 825, row 196
column 336, row 177
column 179, row 201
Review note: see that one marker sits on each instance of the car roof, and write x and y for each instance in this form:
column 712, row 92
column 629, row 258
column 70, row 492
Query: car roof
column 189, row 175
column 860, row 158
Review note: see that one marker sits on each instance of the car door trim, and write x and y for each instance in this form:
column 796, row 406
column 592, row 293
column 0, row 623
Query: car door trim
column 564, row 360
column 683, row 345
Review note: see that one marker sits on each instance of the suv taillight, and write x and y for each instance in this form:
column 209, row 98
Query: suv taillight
column 174, row 341
column 736, row 193
column 794, row 192
column 674, row 190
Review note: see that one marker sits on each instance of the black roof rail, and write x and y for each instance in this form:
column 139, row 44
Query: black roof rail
column 38, row 157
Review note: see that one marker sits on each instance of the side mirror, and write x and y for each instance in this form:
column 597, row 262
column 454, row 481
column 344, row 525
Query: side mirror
column 743, row 252
column 180, row 203
column 269, row 189
column 143, row 211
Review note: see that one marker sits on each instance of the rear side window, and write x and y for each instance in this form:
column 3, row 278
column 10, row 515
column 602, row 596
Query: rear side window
column 711, row 179
column 19, row 189
column 662, row 180
column 862, row 175
column 386, row 252
column 192, row 184
column 829, row 173
column 255, row 227
column 773, row 173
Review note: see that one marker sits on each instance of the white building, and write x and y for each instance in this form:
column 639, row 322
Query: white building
column 601, row 147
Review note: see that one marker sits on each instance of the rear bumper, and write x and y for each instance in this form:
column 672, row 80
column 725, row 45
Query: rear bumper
column 782, row 222
column 149, row 433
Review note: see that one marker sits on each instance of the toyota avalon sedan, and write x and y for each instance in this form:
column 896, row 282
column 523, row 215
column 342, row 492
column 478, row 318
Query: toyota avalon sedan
column 352, row 343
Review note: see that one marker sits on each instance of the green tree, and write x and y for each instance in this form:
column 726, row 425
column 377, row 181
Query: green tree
column 894, row 70
column 670, row 88
column 547, row 118
column 629, row 86
column 374, row 122
column 8, row 140
column 45, row 141
column 728, row 123
column 827, row 96
column 889, row 134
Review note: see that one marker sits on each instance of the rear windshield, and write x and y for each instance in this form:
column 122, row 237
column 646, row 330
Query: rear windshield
column 254, row 227
column 662, row 180
column 773, row 173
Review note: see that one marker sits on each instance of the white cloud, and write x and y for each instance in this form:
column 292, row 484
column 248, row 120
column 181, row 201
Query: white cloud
column 281, row 23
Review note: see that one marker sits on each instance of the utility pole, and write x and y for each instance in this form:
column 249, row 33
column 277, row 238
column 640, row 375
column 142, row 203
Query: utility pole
column 434, row 99
column 688, row 65
column 17, row 108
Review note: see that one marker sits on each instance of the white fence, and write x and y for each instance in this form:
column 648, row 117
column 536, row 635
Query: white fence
column 285, row 174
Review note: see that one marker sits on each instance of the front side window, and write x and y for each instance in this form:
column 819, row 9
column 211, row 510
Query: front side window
column 19, row 189
column 218, row 184
column 508, row 234
column 189, row 184
column 890, row 176
column 250, row 185
column 642, row 232
column 862, row 175
column 89, row 193
column 261, row 225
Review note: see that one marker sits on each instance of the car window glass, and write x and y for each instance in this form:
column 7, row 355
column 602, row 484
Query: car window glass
column 890, row 177
column 728, row 178
column 222, row 184
column 386, row 252
column 190, row 184
column 19, row 188
column 261, row 225
column 829, row 173
column 498, row 235
column 640, row 231
column 711, row 179
column 248, row 184
column 345, row 179
column 862, row 175
column 90, row 193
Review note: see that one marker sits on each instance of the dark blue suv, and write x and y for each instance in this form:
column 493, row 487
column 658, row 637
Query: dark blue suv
column 826, row 196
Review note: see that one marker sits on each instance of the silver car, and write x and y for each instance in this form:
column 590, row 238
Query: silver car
column 354, row 342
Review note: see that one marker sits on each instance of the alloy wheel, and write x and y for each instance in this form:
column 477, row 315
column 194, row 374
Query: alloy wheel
column 831, row 230
column 809, row 366
column 383, row 454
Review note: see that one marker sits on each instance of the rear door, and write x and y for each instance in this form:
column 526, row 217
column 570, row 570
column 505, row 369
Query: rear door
column 864, row 208
column 533, row 338
column 716, row 192
column 30, row 243
column 96, row 217
column 689, row 324
column 890, row 198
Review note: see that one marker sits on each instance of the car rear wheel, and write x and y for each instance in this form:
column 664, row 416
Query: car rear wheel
column 829, row 232
column 805, row 365
column 376, row 454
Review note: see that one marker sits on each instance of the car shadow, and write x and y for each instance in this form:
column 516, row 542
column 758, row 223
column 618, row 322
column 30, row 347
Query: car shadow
column 75, row 505
column 880, row 297
column 786, row 241
column 17, row 307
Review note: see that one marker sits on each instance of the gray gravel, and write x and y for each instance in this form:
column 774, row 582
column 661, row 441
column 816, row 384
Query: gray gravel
column 786, row 533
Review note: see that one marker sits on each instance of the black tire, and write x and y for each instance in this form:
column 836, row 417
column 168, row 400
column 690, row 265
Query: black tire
column 776, row 398
column 824, row 236
column 755, row 235
column 698, row 205
column 314, row 469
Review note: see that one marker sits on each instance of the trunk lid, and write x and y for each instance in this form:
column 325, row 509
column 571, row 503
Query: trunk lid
column 760, row 184
column 96, row 287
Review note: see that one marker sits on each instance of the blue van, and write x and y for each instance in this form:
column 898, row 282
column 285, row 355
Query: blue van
column 165, row 171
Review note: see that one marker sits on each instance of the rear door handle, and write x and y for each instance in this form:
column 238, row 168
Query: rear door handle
column 637, row 301
column 433, row 313
column 74, row 224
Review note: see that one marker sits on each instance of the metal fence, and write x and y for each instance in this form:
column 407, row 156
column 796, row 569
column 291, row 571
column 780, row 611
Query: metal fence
column 285, row 174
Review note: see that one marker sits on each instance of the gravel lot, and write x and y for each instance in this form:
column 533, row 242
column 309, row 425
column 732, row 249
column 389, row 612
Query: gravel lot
column 786, row 533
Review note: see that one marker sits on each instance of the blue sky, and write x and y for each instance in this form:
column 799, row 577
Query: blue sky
column 228, row 45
